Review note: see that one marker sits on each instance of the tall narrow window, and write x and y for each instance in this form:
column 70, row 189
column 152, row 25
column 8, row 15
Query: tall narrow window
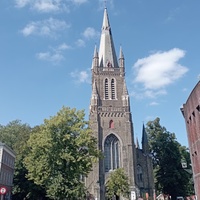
column 111, row 153
column 139, row 173
column 113, row 88
column 111, row 124
column 106, row 88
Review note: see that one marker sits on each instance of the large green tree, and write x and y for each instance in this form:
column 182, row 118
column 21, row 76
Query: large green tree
column 16, row 134
column 117, row 184
column 61, row 152
column 170, row 177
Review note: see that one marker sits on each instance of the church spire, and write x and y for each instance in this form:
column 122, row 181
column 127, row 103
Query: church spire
column 145, row 145
column 94, row 98
column 95, row 62
column 121, row 62
column 107, row 55
column 125, row 96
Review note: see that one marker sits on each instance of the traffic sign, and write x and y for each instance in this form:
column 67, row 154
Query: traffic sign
column 2, row 190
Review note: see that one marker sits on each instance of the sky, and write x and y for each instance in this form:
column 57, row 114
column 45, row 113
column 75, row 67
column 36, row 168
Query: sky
column 47, row 46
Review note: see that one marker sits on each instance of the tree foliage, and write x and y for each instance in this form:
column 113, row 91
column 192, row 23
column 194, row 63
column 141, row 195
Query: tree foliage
column 117, row 184
column 15, row 134
column 61, row 151
column 170, row 177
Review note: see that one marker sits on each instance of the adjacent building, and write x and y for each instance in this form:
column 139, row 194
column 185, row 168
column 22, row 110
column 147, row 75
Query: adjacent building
column 191, row 113
column 7, row 162
column 111, row 121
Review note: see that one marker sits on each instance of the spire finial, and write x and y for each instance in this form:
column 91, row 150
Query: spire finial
column 105, row 4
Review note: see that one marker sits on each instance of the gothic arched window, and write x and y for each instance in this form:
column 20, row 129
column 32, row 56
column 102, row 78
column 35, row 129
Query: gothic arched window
column 139, row 173
column 106, row 89
column 113, row 88
column 111, row 124
column 111, row 153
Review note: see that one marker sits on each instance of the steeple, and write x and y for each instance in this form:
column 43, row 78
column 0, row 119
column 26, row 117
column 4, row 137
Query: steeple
column 121, row 58
column 145, row 145
column 107, row 55
column 95, row 62
column 110, row 120
column 137, row 144
column 121, row 62
column 125, row 96
column 94, row 97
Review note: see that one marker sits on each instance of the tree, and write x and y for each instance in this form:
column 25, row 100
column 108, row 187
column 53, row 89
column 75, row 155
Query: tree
column 15, row 134
column 61, row 152
column 117, row 184
column 170, row 177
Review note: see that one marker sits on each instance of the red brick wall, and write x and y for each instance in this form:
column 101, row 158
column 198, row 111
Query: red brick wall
column 191, row 111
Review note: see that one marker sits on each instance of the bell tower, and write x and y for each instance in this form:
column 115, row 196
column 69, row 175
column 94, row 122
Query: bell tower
column 110, row 116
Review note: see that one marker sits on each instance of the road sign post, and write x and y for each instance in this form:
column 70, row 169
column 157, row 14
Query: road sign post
column 2, row 192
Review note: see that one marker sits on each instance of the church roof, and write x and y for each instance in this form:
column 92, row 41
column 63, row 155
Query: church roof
column 107, row 55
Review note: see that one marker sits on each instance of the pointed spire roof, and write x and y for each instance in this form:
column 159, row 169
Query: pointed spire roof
column 125, row 91
column 95, row 52
column 94, row 89
column 121, row 55
column 145, row 145
column 137, row 144
column 107, row 55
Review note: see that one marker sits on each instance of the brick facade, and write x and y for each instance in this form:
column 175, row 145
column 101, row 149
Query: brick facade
column 191, row 113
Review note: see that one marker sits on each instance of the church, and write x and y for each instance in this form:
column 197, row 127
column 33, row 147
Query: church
column 111, row 122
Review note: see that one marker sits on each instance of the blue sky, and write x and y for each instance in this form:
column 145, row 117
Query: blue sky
column 47, row 48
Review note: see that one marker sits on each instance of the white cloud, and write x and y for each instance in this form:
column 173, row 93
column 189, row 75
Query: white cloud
column 81, row 76
column 49, row 5
column 48, row 27
column 90, row 33
column 154, row 103
column 142, row 93
column 154, row 94
column 160, row 69
column 79, row 1
column 51, row 57
column 63, row 46
column 22, row 3
column 55, row 55
column 80, row 43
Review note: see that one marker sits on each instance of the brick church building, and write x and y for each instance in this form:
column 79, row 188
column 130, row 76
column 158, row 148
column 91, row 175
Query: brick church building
column 111, row 121
column 191, row 113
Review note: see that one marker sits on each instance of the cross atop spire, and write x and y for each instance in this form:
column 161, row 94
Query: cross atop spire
column 107, row 55
column 105, row 2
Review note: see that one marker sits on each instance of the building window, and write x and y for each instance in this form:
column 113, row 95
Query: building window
column 106, row 89
column 111, row 153
column 111, row 124
column 198, row 108
column 113, row 88
column 139, row 173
